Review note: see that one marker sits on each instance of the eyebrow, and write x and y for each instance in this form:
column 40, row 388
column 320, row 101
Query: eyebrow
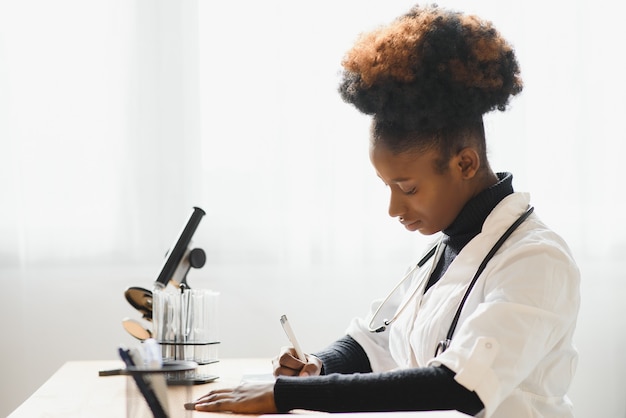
column 400, row 179
column 396, row 180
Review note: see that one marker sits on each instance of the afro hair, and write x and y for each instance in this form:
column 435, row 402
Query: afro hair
column 429, row 68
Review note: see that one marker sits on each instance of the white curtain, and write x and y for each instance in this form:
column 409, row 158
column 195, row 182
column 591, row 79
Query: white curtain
column 99, row 129
column 118, row 116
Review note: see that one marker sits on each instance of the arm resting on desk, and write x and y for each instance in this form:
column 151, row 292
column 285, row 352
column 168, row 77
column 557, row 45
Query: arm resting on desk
column 420, row 389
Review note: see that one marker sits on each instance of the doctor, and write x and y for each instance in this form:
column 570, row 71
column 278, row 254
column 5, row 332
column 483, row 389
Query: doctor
column 484, row 322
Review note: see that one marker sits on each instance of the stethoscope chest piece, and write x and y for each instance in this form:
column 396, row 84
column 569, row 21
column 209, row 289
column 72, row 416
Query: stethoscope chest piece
column 442, row 346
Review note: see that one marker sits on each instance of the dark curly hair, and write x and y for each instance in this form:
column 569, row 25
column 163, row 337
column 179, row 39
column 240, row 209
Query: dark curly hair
column 432, row 72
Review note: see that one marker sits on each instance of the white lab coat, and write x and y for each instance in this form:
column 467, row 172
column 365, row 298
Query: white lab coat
column 513, row 342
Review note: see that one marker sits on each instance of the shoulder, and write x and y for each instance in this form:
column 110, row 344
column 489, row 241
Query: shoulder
column 535, row 265
column 532, row 236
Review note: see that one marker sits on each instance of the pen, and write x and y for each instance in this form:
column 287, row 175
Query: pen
column 292, row 338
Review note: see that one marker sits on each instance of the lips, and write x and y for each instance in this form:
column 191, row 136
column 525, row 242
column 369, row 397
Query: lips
column 411, row 225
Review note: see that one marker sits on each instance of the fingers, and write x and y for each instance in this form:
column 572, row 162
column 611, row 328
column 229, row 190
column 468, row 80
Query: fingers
column 289, row 359
column 245, row 398
column 216, row 400
column 313, row 367
column 309, row 369
column 215, row 405
column 215, row 393
column 286, row 364
column 209, row 397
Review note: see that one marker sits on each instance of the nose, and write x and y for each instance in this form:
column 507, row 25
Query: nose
column 397, row 207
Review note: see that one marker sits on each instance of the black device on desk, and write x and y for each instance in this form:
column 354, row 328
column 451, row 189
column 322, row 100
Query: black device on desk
column 181, row 257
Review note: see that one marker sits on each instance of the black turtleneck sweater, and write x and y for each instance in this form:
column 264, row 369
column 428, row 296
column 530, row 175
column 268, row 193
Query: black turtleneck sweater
column 469, row 223
column 347, row 383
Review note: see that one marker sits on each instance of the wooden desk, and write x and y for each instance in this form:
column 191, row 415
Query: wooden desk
column 76, row 390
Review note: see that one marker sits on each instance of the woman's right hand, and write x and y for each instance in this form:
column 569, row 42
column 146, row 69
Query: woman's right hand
column 288, row 364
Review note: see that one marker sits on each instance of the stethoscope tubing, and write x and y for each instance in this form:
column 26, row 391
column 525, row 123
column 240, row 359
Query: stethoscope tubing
column 443, row 345
column 419, row 265
column 482, row 266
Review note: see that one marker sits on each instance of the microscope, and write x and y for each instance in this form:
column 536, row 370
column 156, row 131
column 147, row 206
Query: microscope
column 179, row 260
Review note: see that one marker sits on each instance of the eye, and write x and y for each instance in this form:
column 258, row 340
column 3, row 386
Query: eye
column 411, row 192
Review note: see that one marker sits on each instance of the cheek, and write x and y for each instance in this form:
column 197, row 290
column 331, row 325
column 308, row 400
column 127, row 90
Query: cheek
column 442, row 206
column 449, row 208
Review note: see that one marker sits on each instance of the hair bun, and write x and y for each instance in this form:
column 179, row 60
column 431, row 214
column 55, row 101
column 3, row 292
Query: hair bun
column 429, row 67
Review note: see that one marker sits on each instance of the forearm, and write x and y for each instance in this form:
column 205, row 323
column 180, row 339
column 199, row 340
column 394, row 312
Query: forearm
column 420, row 389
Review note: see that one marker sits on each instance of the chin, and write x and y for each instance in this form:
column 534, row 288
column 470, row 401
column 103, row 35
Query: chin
column 427, row 231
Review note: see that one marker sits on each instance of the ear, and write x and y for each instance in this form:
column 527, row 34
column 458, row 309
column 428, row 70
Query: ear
column 467, row 163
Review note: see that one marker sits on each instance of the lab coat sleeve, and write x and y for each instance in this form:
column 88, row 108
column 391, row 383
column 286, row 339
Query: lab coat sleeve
column 530, row 301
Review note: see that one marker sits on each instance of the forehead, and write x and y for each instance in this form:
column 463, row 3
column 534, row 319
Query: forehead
column 402, row 166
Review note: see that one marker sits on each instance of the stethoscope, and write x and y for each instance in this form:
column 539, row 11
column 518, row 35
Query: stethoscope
column 434, row 251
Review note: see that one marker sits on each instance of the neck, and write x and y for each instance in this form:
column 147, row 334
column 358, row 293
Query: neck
column 471, row 218
column 485, row 180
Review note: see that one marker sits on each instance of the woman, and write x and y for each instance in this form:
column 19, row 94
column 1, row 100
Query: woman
column 427, row 79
